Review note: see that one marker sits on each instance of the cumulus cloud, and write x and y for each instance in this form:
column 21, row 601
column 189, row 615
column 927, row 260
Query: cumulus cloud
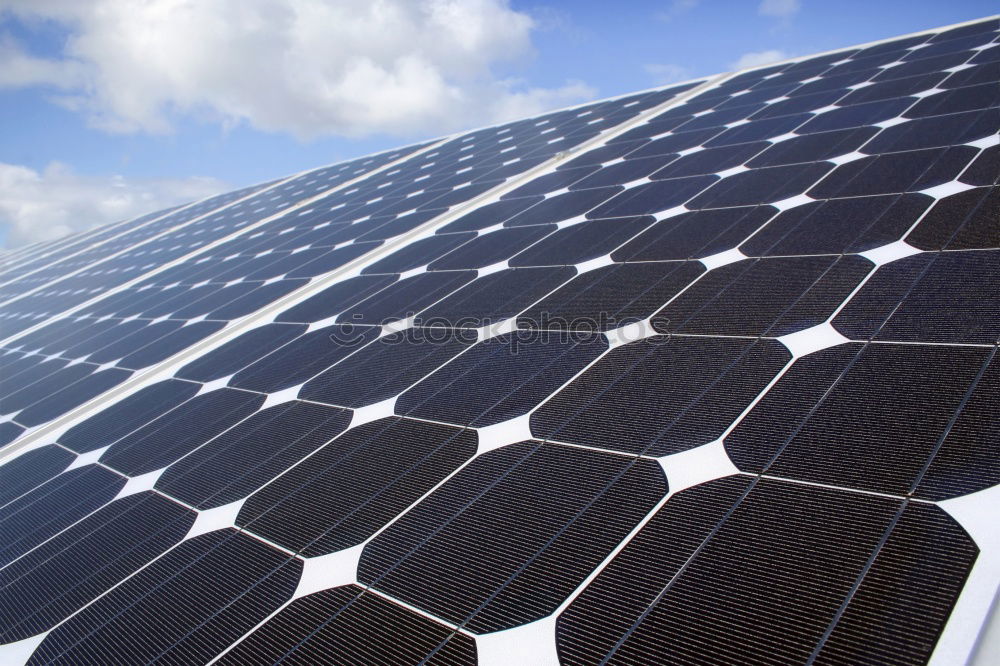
column 779, row 8
column 48, row 204
column 665, row 74
column 758, row 58
column 309, row 67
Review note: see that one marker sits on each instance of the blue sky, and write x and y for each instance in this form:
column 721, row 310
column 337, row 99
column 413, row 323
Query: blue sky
column 94, row 126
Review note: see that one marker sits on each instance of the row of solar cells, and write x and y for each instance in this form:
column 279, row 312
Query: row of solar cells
column 107, row 243
column 79, row 357
column 306, row 473
column 147, row 248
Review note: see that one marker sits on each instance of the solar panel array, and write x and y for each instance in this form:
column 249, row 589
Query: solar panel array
column 716, row 383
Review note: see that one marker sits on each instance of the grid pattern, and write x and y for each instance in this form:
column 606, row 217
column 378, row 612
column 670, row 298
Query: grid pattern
column 710, row 391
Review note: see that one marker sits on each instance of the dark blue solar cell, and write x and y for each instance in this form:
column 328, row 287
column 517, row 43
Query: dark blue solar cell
column 490, row 248
column 987, row 72
column 695, row 234
column 418, row 253
column 356, row 484
column 814, row 147
column 868, row 61
column 692, row 389
column 387, row 367
column 856, row 224
column 923, row 66
column 494, row 297
column 501, row 378
column 304, row 357
column 799, row 104
column 332, row 259
column 345, row 625
column 406, row 298
column 951, row 44
column 674, row 143
column 551, row 182
column 127, row 414
column 892, row 89
column 443, row 556
column 966, row 461
column 612, row 296
column 635, row 578
column 779, row 86
column 911, row 171
column 176, row 433
column 662, row 124
column 30, row 469
column 399, row 225
column 69, row 336
column 171, row 344
column 22, row 396
column 57, row 333
column 239, row 580
column 962, row 221
column 653, row 197
column 103, row 336
column 758, row 130
column 240, row 352
column 256, row 299
column 893, row 432
column 771, row 297
column 985, row 169
column 490, row 214
column 335, row 299
column 893, row 46
column 710, row 160
column 855, row 116
column 163, row 303
column 934, row 132
column 970, row 98
column 215, row 300
column 948, row 297
column 623, row 172
column 835, row 82
column 53, row 506
column 25, row 374
column 785, row 611
column 765, row 185
column 120, row 347
column 460, row 195
column 71, row 396
column 720, row 118
column 65, row 573
column 581, row 242
column 966, row 30
column 563, row 206
column 244, row 458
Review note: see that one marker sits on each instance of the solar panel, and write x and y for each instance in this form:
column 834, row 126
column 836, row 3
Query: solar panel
column 706, row 374
column 337, row 215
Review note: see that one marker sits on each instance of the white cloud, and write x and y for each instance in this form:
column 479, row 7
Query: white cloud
column 758, row 58
column 664, row 74
column 49, row 204
column 779, row 8
column 309, row 67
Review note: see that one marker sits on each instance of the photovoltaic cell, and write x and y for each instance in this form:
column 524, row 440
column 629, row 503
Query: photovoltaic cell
column 345, row 625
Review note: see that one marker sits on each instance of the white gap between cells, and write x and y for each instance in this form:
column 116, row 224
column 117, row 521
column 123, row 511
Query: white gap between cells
column 696, row 466
column 533, row 643
column 218, row 518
